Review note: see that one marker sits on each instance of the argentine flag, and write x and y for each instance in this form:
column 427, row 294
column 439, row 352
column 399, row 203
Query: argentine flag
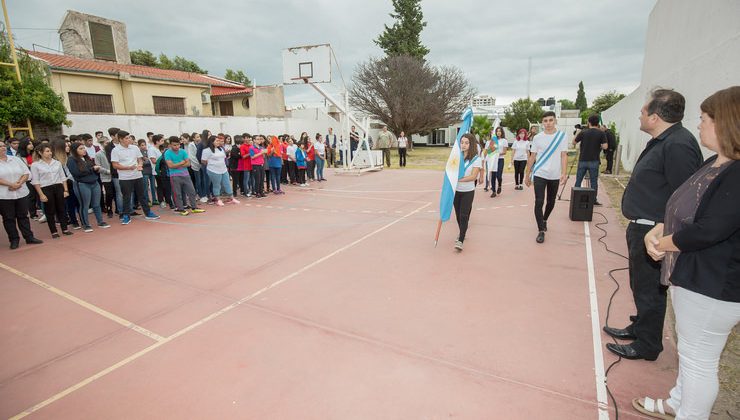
column 454, row 169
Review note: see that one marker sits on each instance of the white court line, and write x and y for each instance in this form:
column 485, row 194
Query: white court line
column 89, row 306
column 601, row 396
column 202, row 321
column 313, row 193
column 374, row 191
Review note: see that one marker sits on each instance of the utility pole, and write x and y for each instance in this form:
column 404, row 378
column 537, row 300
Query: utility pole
column 529, row 75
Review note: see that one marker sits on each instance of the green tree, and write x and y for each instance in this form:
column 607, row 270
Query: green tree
column 567, row 104
column 606, row 101
column 581, row 97
column 32, row 98
column 183, row 64
column 237, row 76
column 482, row 126
column 143, row 58
column 403, row 38
column 521, row 113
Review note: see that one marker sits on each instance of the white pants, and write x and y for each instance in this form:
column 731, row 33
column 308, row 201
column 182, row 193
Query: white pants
column 702, row 326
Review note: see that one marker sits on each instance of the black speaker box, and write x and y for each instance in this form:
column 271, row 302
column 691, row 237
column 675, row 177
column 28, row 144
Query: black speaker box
column 582, row 204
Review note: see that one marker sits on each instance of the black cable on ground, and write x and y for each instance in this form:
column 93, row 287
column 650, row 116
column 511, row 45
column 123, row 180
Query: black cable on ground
column 609, row 306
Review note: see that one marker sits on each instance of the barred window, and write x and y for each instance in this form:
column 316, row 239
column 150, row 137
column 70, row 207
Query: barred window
column 90, row 102
column 169, row 106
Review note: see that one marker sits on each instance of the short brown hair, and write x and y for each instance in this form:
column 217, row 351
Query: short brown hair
column 724, row 108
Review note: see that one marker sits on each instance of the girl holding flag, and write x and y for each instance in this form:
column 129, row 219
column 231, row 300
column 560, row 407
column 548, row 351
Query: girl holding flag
column 465, row 190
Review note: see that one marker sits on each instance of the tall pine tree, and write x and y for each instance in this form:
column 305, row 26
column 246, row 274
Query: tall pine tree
column 581, row 97
column 403, row 37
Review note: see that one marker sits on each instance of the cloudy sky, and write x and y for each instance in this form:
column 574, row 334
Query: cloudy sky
column 598, row 42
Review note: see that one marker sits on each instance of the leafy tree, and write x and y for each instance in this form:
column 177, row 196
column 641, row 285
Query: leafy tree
column 403, row 37
column 238, row 76
column 521, row 113
column 164, row 62
column 408, row 94
column 581, row 98
column 183, row 64
column 143, row 58
column 606, row 101
column 32, row 98
column 567, row 104
column 482, row 126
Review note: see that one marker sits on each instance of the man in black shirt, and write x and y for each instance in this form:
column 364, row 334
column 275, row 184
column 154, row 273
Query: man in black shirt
column 611, row 142
column 669, row 159
column 593, row 141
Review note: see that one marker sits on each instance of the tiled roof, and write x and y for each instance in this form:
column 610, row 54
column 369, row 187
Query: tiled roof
column 226, row 91
column 67, row 62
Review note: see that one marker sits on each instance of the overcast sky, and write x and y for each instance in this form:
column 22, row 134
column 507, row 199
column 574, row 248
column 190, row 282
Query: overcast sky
column 599, row 42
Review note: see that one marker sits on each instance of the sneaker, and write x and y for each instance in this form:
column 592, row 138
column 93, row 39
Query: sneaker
column 154, row 203
column 485, row 189
column 126, row 219
column 134, row 213
column 540, row 237
column 110, row 214
column 87, row 229
column 103, row 225
column 249, row 195
column 493, row 194
column 304, row 185
column 234, row 201
column 89, row 211
column 76, row 227
column 219, row 203
column 204, row 199
column 42, row 219
column 197, row 211
column 151, row 216
column 162, row 205
column 182, row 212
column 498, row 191
column 596, row 203
column 458, row 245
column 55, row 235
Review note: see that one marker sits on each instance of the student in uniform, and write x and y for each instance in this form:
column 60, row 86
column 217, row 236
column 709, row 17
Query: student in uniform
column 520, row 153
column 50, row 182
column 465, row 191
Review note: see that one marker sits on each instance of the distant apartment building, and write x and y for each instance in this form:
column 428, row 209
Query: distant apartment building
column 484, row 100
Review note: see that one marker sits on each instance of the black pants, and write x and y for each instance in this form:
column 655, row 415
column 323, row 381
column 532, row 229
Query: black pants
column 54, row 207
column 401, row 156
column 15, row 213
column 609, row 154
column 463, row 204
column 164, row 191
column 301, row 175
column 311, row 169
column 284, row 172
column 648, row 293
column 540, row 185
column 519, row 166
column 258, row 172
column 33, row 200
column 134, row 186
column 292, row 172
column 237, row 179
column 109, row 193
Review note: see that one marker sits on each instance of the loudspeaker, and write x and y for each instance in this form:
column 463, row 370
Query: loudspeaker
column 582, row 204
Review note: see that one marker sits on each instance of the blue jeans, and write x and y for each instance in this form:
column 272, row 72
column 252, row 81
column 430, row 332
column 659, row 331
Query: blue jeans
column 220, row 182
column 119, row 195
column 275, row 178
column 592, row 166
column 90, row 195
column 71, row 205
column 205, row 183
column 247, row 182
column 150, row 187
column 320, row 168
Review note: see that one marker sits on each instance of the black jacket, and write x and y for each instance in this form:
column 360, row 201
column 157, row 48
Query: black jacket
column 709, row 262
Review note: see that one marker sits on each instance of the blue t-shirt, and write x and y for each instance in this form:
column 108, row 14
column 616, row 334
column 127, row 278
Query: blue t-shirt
column 177, row 158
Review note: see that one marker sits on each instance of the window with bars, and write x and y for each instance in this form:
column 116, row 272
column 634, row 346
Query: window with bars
column 90, row 102
column 226, row 108
column 168, row 105
column 101, row 36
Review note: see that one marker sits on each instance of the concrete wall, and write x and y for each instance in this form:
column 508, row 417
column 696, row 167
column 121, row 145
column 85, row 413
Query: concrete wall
column 268, row 101
column 75, row 35
column 144, row 104
column 692, row 47
column 312, row 121
column 63, row 83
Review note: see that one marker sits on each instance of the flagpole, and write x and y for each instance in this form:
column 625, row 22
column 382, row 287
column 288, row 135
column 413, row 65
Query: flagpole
column 436, row 235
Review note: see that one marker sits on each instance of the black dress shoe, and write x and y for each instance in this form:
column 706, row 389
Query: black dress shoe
column 633, row 318
column 619, row 333
column 540, row 237
column 626, row 351
column 14, row 244
column 33, row 240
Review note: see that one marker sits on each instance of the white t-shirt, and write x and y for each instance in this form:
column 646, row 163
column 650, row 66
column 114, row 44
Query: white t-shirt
column 44, row 174
column 153, row 153
column 469, row 185
column 520, row 148
column 291, row 152
column 216, row 160
column 551, row 169
column 11, row 169
column 403, row 142
column 320, row 149
column 126, row 156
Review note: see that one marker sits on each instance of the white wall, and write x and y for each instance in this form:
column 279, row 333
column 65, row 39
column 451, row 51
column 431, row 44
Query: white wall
column 692, row 47
column 311, row 120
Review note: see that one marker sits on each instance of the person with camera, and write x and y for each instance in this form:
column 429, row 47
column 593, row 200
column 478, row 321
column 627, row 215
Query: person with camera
column 669, row 159
column 592, row 141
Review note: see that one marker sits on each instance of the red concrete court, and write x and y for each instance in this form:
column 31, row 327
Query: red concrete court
column 325, row 303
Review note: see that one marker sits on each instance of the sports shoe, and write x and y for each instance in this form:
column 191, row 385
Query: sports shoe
column 219, row 203
column 596, row 203
column 304, row 185
column 204, row 199
column 182, row 212
column 234, row 201
column 42, row 219
column 87, row 229
column 76, row 227
column 151, row 216
column 126, row 219
column 498, row 191
column 103, row 225
column 197, row 211
column 458, row 245
column 540, row 237
column 67, row 233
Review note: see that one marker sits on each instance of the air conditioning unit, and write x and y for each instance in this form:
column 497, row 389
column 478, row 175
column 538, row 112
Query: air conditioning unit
column 205, row 98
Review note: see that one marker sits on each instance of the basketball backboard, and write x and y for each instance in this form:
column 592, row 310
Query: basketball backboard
column 307, row 64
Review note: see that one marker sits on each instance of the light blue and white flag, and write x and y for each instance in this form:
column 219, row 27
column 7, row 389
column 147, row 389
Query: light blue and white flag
column 454, row 169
